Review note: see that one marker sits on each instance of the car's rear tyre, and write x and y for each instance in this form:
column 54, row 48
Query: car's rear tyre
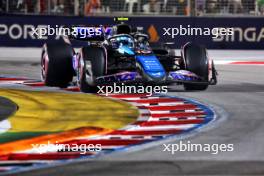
column 196, row 61
column 56, row 62
column 93, row 65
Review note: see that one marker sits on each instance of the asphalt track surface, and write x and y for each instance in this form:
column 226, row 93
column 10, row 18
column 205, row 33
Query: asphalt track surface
column 239, row 98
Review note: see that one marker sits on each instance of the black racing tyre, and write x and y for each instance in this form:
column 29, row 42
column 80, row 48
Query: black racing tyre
column 196, row 61
column 58, row 71
column 96, row 57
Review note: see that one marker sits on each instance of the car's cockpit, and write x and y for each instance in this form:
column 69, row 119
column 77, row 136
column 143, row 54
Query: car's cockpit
column 123, row 36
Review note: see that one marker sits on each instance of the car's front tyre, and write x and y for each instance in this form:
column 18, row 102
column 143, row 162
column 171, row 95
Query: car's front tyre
column 196, row 61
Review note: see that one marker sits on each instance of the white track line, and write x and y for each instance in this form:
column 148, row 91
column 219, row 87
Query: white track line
column 4, row 126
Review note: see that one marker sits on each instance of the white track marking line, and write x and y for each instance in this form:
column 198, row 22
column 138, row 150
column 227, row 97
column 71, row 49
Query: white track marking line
column 137, row 127
column 5, row 125
column 163, row 104
column 124, row 137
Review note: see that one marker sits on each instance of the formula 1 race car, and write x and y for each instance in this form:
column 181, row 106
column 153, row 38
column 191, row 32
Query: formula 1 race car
column 123, row 55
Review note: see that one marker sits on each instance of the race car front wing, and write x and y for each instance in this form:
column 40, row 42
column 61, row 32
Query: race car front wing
column 179, row 76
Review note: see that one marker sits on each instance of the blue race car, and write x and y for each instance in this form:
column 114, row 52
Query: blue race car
column 123, row 56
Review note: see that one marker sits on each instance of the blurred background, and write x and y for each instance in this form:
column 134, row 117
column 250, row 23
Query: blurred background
column 134, row 7
column 17, row 17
